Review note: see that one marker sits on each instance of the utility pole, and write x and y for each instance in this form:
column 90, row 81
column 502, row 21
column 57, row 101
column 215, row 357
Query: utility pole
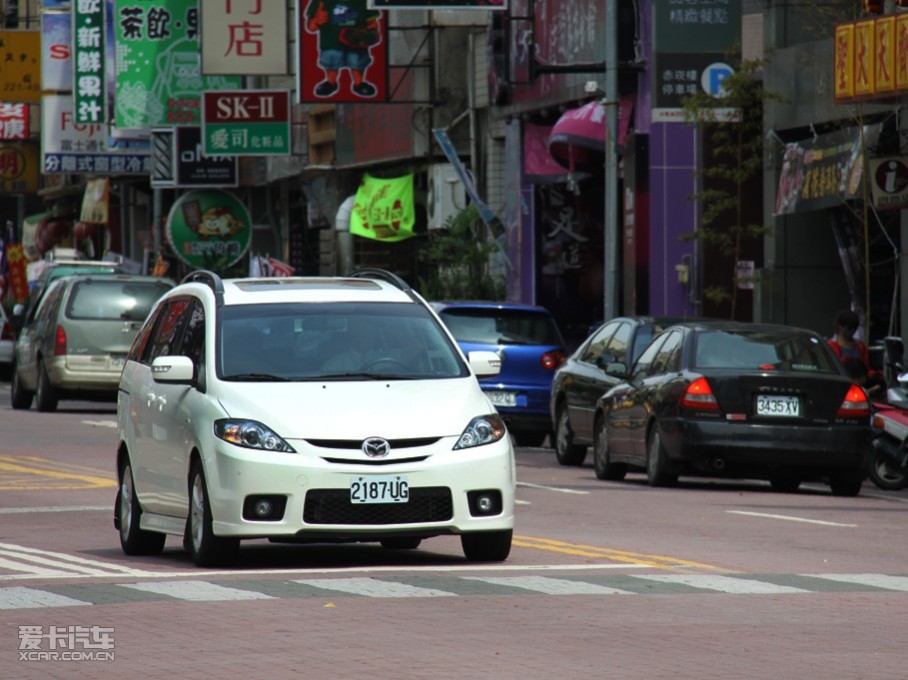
column 612, row 242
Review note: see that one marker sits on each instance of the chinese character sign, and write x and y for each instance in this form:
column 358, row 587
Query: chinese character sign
column 20, row 65
column 246, row 123
column 343, row 50
column 159, row 76
column 244, row 37
column 88, row 60
column 383, row 209
column 13, row 121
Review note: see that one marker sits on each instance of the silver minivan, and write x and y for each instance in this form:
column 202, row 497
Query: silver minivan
column 76, row 343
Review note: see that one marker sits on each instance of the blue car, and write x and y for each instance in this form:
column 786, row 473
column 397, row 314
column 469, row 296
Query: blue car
column 531, row 348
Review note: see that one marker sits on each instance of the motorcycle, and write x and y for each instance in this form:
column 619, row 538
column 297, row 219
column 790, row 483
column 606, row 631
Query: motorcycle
column 888, row 465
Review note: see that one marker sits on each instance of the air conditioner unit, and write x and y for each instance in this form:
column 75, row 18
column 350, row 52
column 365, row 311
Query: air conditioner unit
column 446, row 196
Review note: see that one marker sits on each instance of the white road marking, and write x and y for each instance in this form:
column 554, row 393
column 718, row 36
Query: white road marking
column 30, row 598
column 55, row 508
column 723, row 584
column 550, row 586
column 519, row 502
column 24, row 559
column 200, row 591
column 789, row 518
column 553, row 488
column 877, row 580
column 371, row 587
column 101, row 423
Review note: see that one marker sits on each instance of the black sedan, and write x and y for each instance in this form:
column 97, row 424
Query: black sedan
column 582, row 379
column 738, row 400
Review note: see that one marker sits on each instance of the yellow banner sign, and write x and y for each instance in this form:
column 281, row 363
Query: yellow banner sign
column 20, row 66
column 871, row 59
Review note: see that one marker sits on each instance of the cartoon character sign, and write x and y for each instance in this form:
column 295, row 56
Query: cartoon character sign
column 348, row 38
column 218, row 221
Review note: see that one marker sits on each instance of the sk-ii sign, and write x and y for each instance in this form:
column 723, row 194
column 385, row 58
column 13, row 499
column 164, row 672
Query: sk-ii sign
column 246, row 123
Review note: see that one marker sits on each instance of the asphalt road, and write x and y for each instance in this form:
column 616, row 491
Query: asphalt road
column 711, row 579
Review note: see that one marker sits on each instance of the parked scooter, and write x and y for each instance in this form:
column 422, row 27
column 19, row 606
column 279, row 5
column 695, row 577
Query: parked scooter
column 888, row 466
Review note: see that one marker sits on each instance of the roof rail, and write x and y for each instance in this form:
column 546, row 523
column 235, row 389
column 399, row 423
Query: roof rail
column 384, row 275
column 209, row 278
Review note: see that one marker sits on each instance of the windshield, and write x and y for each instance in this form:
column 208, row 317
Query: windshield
column 114, row 299
column 495, row 326
column 780, row 350
column 334, row 341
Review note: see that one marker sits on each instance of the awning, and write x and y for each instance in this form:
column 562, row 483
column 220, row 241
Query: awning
column 577, row 140
column 539, row 166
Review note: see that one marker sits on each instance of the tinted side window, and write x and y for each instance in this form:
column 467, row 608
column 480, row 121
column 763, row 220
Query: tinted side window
column 166, row 332
column 49, row 303
column 141, row 342
column 617, row 346
column 642, row 367
column 668, row 358
column 193, row 343
column 598, row 343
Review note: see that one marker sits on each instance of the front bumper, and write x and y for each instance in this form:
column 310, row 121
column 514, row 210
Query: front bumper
column 317, row 492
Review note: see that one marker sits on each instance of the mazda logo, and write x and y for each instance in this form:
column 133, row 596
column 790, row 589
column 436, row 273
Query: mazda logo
column 376, row 447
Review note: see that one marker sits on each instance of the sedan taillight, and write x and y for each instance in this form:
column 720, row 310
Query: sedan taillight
column 60, row 342
column 699, row 396
column 6, row 332
column 552, row 360
column 855, row 405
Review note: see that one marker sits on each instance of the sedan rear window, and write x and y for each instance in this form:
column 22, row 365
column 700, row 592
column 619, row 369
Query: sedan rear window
column 501, row 326
column 112, row 299
column 781, row 351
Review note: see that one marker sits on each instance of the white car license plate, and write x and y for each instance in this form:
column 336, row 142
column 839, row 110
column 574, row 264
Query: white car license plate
column 503, row 398
column 775, row 406
column 379, row 489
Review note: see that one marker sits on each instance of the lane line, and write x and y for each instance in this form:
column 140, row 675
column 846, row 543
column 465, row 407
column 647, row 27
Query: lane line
column 198, row 591
column 789, row 518
column 90, row 480
column 724, row 584
column 56, row 508
column 370, row 587
column 66, row 561
column 101, row 423
column 549, row 585
column 558, row 489
column 30, row 598
column 875, row 580
column 32, row 570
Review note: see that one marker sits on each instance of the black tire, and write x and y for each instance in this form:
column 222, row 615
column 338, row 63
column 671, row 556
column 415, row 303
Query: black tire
column 401, row 543
column 487, row 546
column 605, row 469
column 885, row 473
column 46, row 398
column 206, row 549
column 846, row 482
column 566, row 451
column 784, row 481
column 658, row 468
column 133, row 540
column 20, row 398
column 530, row 438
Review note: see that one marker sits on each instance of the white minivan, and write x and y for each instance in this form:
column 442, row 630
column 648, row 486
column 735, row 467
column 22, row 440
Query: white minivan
column 307, row 410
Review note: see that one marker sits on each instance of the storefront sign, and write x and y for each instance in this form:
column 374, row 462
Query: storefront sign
column 871, row 59
column 18, row 168
column 96, row 202
column 439, row 4
column 20, row 56
column 56, row 51
column 195, row 169
column 823, row 172
column 384, row 209
column 889, row 182
column 244, row 37
column 209, row 229
column 89, row 61
column 71, row 147
column 159, row 75
column 14, row 122
column 246, row 123
column 342, row 53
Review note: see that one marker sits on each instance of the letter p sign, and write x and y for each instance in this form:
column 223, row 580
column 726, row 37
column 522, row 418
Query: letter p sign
column 713, row 77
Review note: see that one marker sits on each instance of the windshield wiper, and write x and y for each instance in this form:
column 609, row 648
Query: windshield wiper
column 257, row 377
column 364, row 376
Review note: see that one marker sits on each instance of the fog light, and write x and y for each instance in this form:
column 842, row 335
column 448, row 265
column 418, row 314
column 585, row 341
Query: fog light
column 262, row 508
column 485, row 502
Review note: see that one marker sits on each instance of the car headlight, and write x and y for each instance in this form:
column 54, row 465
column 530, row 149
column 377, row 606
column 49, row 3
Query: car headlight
column 481, row 430
column 251, row 434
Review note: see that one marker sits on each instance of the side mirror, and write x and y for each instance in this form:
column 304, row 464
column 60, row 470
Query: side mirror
column 484, row 364
column 617, row 369
column 173, row 369
column 18, row 310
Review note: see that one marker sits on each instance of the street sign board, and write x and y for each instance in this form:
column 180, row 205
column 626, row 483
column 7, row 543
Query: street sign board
column 246, row 123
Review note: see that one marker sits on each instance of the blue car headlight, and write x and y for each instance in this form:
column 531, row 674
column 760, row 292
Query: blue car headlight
column 482, row 430
column 250, row 434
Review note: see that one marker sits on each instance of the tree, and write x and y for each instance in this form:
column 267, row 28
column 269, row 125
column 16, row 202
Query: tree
column 459, row 257
column 735, row 148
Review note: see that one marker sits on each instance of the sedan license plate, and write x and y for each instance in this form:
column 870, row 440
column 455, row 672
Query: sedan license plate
column 503, row 398
column 778, row 407
column 380, row 489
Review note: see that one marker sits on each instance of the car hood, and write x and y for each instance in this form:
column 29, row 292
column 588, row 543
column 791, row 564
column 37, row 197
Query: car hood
column 393, row 409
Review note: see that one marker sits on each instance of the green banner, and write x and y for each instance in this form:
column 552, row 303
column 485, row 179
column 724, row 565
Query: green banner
column 383, row 209
column 209, row 229
column 696, row 26
column 159, row 73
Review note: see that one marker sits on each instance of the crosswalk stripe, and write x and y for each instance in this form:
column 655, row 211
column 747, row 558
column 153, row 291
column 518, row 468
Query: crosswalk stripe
column 875, row 580
column 370, row 587
column 550, row 586
column 197, row 591
column 724, row 584
column 24, row 559
column 30, row 598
